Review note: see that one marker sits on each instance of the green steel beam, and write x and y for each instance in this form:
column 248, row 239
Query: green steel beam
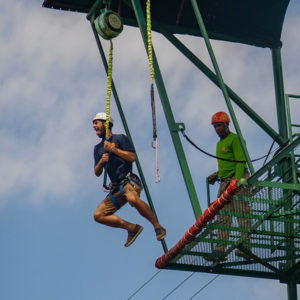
column 235, row 98
column 287, row 213
column 292, row 289
column 221, row 83
column 126, row 128
column 286, row 186
column 260, row 200
column 233, row 272
column 257, row 259
column 284, row 164
column 257, row 232
column 220, row 270
column 294, row 270
column 282, row 154
column 289, row 120
column 285, row 220
column 208, row 192
column 239, row 263
column 293, row 96
column 234, row 245
column 279, row 93
column 173, row 126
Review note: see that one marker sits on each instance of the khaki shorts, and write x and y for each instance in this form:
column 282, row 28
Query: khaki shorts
column 107, row 206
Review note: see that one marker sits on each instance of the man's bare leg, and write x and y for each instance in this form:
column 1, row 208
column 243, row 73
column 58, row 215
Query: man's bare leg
column 113, row 221
column 133, row 230
column 147, row 213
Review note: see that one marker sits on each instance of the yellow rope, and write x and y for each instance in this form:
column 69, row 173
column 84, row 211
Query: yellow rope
column 109, row 80
column 150, row 57
column 149, row 39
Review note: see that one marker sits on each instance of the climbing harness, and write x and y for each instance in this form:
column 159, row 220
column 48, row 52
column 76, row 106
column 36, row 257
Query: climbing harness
column 131, row 178
column 150, row 58
column 114, row 200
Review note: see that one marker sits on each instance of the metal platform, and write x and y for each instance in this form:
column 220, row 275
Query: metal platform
column 263, row 223
column 274, row 237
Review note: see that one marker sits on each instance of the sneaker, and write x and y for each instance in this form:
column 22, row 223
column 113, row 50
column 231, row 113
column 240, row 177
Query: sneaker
column 216, row 256
column 132, row 235
column 160, row 233
column 242, row 254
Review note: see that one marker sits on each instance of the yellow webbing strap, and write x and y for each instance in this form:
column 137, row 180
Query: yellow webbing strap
column 109, row 80
column 149, row 39
column 150, row 57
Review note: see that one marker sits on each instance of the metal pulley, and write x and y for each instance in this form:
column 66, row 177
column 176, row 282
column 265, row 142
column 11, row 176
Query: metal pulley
column 108, row 24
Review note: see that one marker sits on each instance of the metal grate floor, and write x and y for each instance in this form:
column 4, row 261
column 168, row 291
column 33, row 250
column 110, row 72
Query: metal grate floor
column 262, row 222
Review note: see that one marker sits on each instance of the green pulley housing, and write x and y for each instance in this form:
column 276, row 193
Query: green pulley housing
column 108, row 24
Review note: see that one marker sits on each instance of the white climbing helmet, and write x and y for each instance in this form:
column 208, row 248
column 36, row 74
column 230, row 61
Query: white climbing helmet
column 102, row 116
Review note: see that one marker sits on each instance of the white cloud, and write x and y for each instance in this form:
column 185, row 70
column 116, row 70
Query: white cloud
column 53, row 81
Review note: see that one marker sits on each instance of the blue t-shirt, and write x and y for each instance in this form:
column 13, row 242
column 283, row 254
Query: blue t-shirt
column 117, row 167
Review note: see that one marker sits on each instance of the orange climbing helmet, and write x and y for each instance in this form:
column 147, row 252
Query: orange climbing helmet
column 220, row 117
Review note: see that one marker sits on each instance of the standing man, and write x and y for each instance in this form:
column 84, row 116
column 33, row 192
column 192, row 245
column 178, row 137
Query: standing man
column 229, row 148
column 118, row 153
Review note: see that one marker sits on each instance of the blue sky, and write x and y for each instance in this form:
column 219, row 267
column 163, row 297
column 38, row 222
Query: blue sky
column 52, row 83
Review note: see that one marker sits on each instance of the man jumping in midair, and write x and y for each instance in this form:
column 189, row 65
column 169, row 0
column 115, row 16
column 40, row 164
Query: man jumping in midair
column 118, row 153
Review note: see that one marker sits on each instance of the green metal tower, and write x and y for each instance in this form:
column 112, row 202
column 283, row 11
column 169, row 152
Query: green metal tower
column 274, row 193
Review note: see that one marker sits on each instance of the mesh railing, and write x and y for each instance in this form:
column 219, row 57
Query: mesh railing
column 261, row 222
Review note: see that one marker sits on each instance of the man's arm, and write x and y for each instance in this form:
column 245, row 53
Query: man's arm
column 212, row 178
column 100, row 165
column 126, row 155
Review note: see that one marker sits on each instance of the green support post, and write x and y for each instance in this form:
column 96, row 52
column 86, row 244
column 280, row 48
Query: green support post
column 288, row 111
column 173, row 126
column 292, row 289
column 283, row 131
column 221, row 82
column 126, row 128
column 279, row 93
